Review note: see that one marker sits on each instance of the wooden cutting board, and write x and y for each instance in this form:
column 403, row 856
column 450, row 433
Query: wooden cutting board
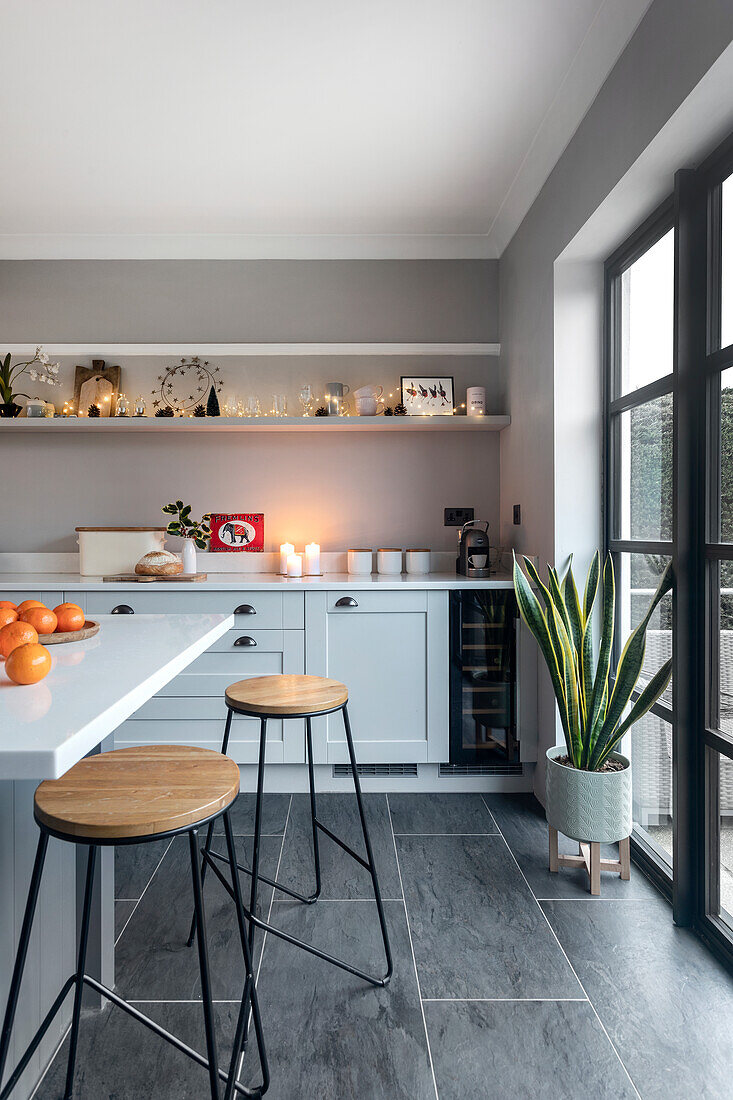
column 144, row 578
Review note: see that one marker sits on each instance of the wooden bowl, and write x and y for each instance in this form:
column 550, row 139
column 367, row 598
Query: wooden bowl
column 89, row 629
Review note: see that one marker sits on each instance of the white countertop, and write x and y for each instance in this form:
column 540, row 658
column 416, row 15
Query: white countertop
column 93, row 687
column 69, row 582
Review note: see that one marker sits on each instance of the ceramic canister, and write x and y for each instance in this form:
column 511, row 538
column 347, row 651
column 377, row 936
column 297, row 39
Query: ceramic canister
column 360, row 561
column 417, row 561
column 389, row 560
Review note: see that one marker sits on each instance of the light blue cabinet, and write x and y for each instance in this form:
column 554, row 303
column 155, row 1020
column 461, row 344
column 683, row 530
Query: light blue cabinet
column 391, row 650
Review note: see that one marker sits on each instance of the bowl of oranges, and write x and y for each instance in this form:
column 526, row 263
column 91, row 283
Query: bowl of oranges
column 28, row 627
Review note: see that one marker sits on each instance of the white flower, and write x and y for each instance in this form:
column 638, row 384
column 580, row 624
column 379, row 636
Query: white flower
column 43, row 357
column 33, row 373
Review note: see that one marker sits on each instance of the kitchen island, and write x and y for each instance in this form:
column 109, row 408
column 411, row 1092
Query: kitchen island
column 45, row 728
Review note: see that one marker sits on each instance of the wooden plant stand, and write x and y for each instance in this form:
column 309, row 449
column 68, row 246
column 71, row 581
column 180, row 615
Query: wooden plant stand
column 589, row 856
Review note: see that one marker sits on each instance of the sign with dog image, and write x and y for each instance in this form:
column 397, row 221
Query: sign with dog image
column 235, row 531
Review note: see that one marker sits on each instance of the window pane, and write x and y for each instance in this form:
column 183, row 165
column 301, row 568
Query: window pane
column 726, row 455
column 647, row 324
column 724, row 719
column 645, row 490
column 651, row 762
column 721, row 842
column 726, row 308
column 637, row 577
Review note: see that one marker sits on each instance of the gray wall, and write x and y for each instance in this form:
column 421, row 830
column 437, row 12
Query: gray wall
column 673, row 47
column 340, row 490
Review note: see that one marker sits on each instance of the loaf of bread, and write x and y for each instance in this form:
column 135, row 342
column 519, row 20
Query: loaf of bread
column 159, row 563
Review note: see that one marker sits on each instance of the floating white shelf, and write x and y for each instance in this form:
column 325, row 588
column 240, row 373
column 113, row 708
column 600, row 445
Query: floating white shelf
column 111, row 350
column 259, row 424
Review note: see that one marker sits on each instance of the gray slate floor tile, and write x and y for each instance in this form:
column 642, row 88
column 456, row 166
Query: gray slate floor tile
column 477, row 931
column 119, row 1059
column 330, row 1035
column 123, row 911
column 665, row 1002
column 440, row 813
column 342, row 877
column 523, row 1050
column 242, row 813
column 522, row 821
column 152, row 960
column 134, row 865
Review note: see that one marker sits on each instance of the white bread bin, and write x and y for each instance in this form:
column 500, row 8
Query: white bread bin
column 104, row 551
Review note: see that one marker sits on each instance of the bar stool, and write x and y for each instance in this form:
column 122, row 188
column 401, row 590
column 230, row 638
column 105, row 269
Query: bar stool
column 288, row 697
column 136, row 796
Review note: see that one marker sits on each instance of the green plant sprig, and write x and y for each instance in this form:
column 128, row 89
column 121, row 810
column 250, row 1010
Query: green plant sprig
column 591, row 705
column 184, row 526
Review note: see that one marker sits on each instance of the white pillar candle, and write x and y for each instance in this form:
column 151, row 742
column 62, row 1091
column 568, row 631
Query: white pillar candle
column 313, row 559
column 286, row 549
column 295, row 565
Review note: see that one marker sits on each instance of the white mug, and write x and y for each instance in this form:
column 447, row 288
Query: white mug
column 369, row 391
column 368, row 406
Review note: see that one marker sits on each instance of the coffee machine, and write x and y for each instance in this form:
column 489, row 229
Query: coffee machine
column 473, row 549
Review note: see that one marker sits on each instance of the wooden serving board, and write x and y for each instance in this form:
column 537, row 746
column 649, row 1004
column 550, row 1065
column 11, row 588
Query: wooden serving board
column 89, row 629
column 143, row 578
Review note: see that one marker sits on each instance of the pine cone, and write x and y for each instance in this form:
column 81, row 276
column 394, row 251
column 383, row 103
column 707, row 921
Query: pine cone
column 199, row 411
column 388, row 410
column 400, row 410
column 165, row 411
column 93, row 410
column 322, row 411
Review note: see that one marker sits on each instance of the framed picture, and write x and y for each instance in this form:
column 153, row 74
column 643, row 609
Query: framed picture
column 233, row 532
column 427, row 396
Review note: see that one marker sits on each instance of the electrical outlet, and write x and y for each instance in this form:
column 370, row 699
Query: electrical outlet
column 517, row 514
column 456, row 517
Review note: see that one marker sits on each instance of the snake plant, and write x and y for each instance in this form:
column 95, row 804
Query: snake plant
column 591, row 702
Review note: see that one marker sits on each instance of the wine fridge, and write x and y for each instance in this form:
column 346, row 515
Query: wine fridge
column 483, row 705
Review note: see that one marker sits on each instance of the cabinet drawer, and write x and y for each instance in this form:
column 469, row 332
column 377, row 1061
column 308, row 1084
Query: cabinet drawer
column 208, row 733
column 269, row 610
column 375, row 602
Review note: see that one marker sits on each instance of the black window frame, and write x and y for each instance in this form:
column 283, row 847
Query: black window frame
column 694, row 211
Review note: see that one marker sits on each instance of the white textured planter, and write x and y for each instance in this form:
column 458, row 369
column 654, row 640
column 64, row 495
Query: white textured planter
column 590, row 806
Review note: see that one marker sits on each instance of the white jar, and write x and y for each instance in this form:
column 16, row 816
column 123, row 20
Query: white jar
column 476, row 401
column 389, row 561
column 417, row 561
column 360, row 562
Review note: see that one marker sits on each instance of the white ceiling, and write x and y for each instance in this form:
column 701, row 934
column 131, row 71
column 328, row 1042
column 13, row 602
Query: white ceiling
column 231, row 128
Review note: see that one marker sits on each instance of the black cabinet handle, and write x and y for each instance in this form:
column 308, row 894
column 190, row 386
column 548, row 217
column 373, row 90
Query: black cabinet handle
column 245, row 640
column 245, row 609
column 122, row 609
column 346, row 601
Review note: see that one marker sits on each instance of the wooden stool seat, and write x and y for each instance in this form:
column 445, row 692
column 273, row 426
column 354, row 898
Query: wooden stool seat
column 137, row 792
column 280, row 696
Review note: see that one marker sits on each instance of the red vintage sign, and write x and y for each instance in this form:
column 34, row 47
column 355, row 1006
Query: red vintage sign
column 236, row 531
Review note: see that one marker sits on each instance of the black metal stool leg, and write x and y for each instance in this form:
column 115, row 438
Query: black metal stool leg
column 204, row 965
column 25, row 936
column 249, row 994
column 210, row 830
column 81, row 965
column 258, row 829
column 368, row 846
column 314, row 814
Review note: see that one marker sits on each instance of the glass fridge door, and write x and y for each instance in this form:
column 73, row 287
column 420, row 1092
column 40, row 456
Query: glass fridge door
column 483, row 718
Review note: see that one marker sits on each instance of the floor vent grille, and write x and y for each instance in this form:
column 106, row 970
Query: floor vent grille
column 376, row 771
column 447, row 771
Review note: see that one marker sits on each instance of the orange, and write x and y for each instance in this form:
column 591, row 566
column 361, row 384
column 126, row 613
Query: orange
column 28, row 603
column 70, row 616
column 28, row 663
column 7, row 615
column 15, row 634
column 8, row 603
column 41, row 618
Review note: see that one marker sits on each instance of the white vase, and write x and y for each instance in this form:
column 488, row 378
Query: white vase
column 189, row 556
